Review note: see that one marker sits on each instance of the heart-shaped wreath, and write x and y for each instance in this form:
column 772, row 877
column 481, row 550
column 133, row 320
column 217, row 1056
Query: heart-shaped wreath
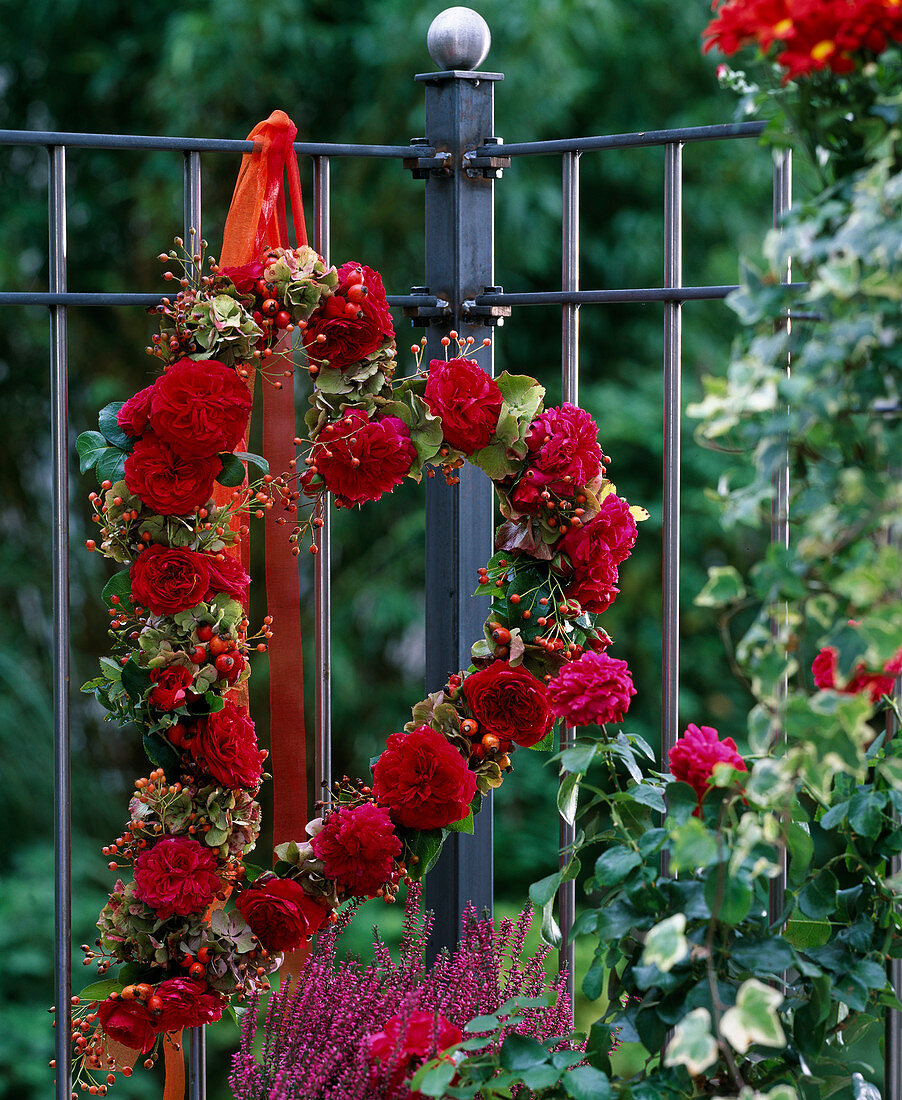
column 174, row 509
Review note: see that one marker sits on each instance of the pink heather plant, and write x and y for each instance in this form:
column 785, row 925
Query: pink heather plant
column 314, row 1038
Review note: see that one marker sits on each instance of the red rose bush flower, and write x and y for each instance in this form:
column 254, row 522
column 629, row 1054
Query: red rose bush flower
column 423, row 780
column 694, row 756
column 129, row 1023
column 166, row 482
column 358, row 847
column 200, row 408
column 352, row 323
column 359, row 459
column 177, row 876
column 280, row 913
column 563, row 449
column 167, row 580
column 594, row 690
column 876, row 684
column 187, row 1002
column 404, row 1044
column 224, row 744
column 509, row 702
column 466, row 400
column 169, row 686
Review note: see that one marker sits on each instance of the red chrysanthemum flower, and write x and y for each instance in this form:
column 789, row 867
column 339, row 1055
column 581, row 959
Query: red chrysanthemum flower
column 129, row 1023
column 228, row 576
column 358, row 847
column 594, row 690
column 694, row 756
column 360, row 459
column 423, row 780
column 169, row 686
column 134, row 416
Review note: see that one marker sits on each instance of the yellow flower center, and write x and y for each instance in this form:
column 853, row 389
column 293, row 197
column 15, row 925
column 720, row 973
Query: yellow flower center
column 823, row 49
column 784, row 27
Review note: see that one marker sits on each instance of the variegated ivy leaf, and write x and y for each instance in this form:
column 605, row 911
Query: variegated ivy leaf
column 666, row 943
column 753, row 1019
column 779, row 1092
column 692, row 1045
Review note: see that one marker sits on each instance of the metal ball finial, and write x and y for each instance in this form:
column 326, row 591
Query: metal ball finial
column 459, row 38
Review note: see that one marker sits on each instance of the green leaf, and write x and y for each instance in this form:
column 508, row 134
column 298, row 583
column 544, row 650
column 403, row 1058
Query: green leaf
column 586, row 1083
column 483, row 1023
column 693, row 846
column 578, row 758
column 99, row 991
column 568, row 796
column 426, row 845
column 520, row 1052
column 729, row 897
column 540, row 1077
column 593, row 982
column 543, row 891
column 666, row 943
column 111, row 465
column 866, row 813
column 120, row 584
column 817, row 898
column 724, row 586
column 613, row 865
column 161, row 753
column 249, row 456
column 465, row 825
column 90, row 446
column 801, row 848
column 110, row 426
column 692, row 1045
column 232, row 472
column 135, row 680
column 681, row 802
column 647, row 795
column 437, row 1079
column 753, row 1019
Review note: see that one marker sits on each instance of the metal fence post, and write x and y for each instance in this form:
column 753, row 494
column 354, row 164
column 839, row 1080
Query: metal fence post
column 459, row 265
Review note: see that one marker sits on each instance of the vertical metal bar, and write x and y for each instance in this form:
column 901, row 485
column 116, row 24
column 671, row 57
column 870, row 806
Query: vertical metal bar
column 673, row 276
column 322, row 539
column 191, row 189
column 569, row 392
column 197, row 1063
column 59, row 427
column 459, row 265
column 192, row 212
column 892, row 1051
column 779, row 519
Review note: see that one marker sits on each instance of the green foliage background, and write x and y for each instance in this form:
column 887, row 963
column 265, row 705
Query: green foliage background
column 344, row 72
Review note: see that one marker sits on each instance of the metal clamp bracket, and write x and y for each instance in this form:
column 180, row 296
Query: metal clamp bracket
column 476, row 312
column 482, row 161
column 425, row 309
column 430, row 163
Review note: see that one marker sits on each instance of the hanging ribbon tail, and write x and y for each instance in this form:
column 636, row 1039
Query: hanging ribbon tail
column 174, row 1063
column 256, row 221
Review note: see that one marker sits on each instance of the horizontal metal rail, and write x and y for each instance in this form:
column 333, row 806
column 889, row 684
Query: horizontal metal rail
column 90, row 298
column 682, row 134
column 197, row 145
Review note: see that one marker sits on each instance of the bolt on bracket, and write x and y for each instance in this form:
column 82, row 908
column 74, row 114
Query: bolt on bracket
column 427, row 310
column 430, row 162
column 479, row 162
column 476, row 312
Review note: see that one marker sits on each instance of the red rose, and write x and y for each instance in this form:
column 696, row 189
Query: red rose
column 349, row 334
column 615, row 519
column 128, row 1022
column 358, row 847
column 169, row 683
column 693, row 757
column 280, row 913
column 200, row 408
column 423, row 780
column 167, row 483
column 134, row 415
column 466, row 400
column 245, row 276
column 876, row 684
column 403, row 1044
column 169, row 579
column 225, row 746
column 563, row 446
column 187, row 1002
column 590, row 568
column 509, row 702
column 360, row 459
column 176, row 877
column 594, row 690
column 228, row 576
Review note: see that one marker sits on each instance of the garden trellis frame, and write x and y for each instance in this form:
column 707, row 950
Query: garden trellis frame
column 459, row 159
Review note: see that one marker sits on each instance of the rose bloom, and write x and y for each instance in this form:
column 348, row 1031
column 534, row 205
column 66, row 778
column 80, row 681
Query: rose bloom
column 187, row 1002
column 509, row 702
column 280, row 913
column 244, row 277
column 176, row 877
column 166, row 482
column 466, row 400
column 228, row 576
column 563, row 444
column 876, row 684
column 129, row 1023
column 423, row 780
column 620, row 530
column 693, row 757
column 200, row 408
column 594, row 690
column 592, row 551
column 424, row 1036
column 168, row 691
column 358, row 848
column 225, row 746
column 134, row 416
column 360, row 459
column 169, row 579
column 349, row 339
